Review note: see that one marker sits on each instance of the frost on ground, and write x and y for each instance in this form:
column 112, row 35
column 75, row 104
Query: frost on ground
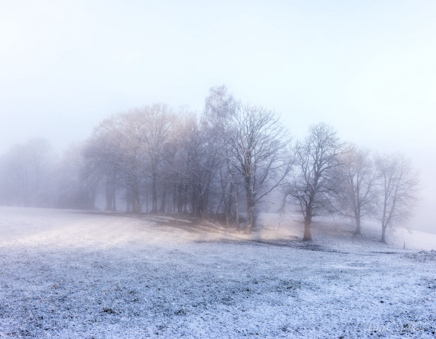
column 77, row 275
column 422, row 256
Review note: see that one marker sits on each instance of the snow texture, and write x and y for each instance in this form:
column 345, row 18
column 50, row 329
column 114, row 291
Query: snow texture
column 68, row 274
column 422, row 256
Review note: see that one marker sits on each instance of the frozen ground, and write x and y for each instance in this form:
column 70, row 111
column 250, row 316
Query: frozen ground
column 76, row 275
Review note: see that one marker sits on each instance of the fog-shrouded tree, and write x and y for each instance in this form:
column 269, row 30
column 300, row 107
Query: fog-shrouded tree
column 398, row 188
column 115, row 143
column 102, row 156
column 219, row 163
column 28, row 173
column 220, row 106
column 312, row 182
column 5, row 191
column 154, row 125
column 129, row 148
column 355, row 191
column 257, row 148
column 199, row 160
column 174, row 173
column 78, row 183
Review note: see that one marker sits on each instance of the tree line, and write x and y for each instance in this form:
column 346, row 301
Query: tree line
column 220, row 165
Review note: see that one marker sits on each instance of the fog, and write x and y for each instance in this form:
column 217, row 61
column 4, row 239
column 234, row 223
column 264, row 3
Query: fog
column 367, row 69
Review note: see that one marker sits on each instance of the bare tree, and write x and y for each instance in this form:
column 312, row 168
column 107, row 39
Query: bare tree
column 115, row 143
column 175, row 160
column 29, row 173
column 137, row 148
column 221, row 106
column 398, row 190
column 154, row 127
column 257, row 148
column 200, row 161
column 355, row 185
column 312, row 182
column 78, row 181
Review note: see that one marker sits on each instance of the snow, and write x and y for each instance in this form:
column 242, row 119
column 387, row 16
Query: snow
column 422, row 256
column 67, row 274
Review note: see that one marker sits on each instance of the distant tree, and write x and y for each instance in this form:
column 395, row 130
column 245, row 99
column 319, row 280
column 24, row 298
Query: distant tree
column 221, row 106
column 8, row 189
column 354, row 193
column 116, row 144
column 398, row 190
column 129, row 147
column 200, row 162
column 154, row 124
column 175, row 170
column 28, row 170
column 112, row 182
column 312, row 182
column 78, row 181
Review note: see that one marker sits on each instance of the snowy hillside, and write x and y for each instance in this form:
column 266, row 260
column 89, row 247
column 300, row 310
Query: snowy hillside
column 67, row 274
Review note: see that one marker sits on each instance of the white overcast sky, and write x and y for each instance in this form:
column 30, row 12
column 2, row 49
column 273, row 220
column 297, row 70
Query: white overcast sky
column 366, row 67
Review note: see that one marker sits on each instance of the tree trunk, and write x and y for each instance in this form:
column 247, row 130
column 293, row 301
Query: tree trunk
column 249, row 219
column 163, row 203
column 307, row 221
column 180, row 199
column 128, row 200
column 383, row 237
column 154, row 194
column 91, row 205
column 109, row 195
column 174, row 198
column 194, row 204
column 136, row 204
column 216, row 214
column 109, row 202
column 185, row 200
column 226, row 210
column 26, row 199
column 114, row 194
column 384, row 222
column 238, row 229
column 248, row 189
column 249, row 206
column 358, row 228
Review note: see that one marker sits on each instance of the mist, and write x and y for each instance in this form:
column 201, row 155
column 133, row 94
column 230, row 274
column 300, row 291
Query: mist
column 365, row 69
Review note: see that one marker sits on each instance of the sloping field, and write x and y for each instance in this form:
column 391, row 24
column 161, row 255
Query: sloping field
column 67, row 274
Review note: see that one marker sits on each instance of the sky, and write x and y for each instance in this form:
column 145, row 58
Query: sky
column 368, row 68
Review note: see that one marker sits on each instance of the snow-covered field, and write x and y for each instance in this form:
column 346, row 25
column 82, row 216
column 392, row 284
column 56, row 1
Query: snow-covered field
column 68, row 274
